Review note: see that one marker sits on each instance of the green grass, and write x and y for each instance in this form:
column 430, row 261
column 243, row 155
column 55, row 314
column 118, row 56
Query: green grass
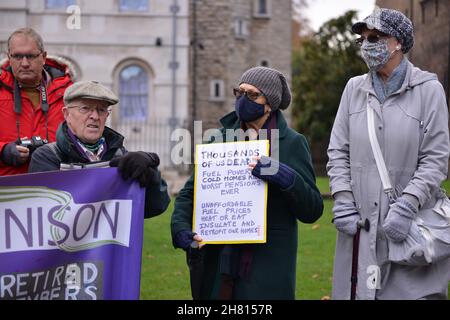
column 446, row 186
column 165, row 274
column 315, row 257
column 323, row 185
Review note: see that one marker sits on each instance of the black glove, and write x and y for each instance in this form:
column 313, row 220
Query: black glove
column 140, row 166
column 11, row 156
column 183, row 239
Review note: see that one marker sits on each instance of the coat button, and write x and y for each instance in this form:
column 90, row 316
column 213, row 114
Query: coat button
column 380, row 127
column 375, row 204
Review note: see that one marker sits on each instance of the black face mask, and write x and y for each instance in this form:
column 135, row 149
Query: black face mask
column 248, row 110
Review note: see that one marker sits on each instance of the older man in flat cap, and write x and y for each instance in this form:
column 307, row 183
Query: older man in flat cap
column 403, row 110
column 83, row 140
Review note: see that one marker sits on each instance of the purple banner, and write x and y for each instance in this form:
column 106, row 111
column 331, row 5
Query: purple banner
column 70, row 235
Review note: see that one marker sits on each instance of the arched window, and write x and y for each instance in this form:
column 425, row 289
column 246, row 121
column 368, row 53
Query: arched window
column 133, row 93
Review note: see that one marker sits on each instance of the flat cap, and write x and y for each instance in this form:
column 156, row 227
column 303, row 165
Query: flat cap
column 89, row 90
column 390, row 22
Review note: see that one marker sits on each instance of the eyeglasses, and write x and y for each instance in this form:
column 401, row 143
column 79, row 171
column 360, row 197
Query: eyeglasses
column 252, row 95
column 373, row 38
column 101, row 111
column 19, row 57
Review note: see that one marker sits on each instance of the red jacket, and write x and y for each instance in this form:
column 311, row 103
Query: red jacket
column 32, row 122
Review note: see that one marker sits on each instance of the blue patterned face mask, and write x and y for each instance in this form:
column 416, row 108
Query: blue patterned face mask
column 377, row 54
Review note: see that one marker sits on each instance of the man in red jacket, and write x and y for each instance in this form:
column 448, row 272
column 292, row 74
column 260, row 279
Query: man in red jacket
column 31, row 99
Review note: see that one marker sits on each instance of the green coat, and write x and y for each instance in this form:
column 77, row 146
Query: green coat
column 273, row 270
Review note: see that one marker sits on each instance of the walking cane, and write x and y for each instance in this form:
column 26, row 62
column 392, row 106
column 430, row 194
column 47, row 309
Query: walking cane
column 354, row 277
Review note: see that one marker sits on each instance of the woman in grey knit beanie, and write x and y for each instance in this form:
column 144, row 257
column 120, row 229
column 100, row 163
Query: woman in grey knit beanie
column 274, row 94
column 272, row 83
column 241, row 271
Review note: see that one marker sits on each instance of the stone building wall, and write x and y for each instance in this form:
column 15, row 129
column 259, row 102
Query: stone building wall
column 229, row 37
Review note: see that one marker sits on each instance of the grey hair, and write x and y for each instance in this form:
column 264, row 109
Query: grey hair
column 29, row 32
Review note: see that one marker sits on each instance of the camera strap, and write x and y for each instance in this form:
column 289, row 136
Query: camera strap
column 18, row 105
column 44, row 107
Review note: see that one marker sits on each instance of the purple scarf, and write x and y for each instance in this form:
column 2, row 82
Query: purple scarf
column 83, row 148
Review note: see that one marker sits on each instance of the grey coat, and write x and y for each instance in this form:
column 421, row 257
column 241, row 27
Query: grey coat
column 412, row 130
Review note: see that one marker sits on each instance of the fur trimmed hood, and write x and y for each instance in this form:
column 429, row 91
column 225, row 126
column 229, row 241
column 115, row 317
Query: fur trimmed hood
column 61, row 63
